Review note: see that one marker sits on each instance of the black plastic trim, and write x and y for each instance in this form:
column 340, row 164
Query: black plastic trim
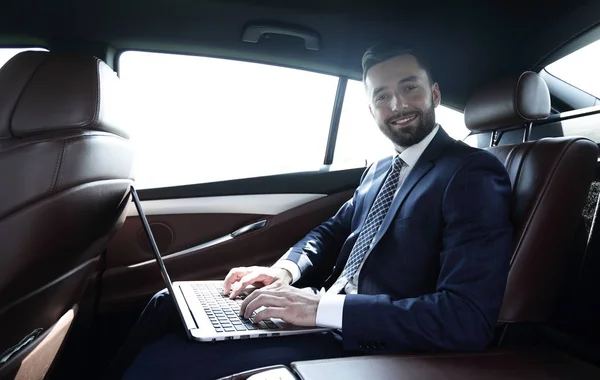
column 592, row 34
column 315, row 182
column 335, row 120
column 570, row 115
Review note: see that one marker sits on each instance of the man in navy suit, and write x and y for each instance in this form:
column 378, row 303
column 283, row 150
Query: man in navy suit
column 418, row 258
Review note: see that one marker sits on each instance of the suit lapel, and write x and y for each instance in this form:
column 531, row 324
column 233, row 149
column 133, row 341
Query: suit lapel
column 422, row 167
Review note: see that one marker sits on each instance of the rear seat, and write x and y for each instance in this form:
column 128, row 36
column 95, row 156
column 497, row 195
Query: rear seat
column 550, row 179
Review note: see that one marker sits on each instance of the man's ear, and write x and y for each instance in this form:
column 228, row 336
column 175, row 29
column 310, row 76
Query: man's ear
column 436, row 95
column 371, row 110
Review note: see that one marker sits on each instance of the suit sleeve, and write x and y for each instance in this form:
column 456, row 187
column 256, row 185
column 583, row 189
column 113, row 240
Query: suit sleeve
column 474, row 262
column 326, row 240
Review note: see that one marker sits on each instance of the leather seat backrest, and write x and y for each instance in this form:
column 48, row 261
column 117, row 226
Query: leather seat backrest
column 65, row 164
column 550, row 181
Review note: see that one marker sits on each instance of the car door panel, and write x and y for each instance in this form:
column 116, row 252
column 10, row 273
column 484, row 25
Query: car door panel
column 194, row 234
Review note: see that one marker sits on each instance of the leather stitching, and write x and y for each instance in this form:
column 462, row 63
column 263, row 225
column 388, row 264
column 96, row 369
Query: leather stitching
column 53, row 282
column 542, row 195
column 64, row 157
column 510, row 157
column 519, row 170
column 12, row 114
column 35, row 200
column 59, row 158
column 86, row 124
column 96, row 116
column 66, row 139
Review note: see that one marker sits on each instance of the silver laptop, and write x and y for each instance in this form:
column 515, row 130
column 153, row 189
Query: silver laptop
column 209, row 316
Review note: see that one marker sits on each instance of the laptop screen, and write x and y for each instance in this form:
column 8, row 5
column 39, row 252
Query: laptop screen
column 159, row 260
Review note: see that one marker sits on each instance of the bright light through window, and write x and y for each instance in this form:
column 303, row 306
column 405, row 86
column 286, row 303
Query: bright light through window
column 196, row 119
column 580, row 69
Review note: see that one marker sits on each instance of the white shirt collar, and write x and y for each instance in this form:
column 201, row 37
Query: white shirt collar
column 412, row 154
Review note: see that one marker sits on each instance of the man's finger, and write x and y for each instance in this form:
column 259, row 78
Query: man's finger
column 271, row 312
column 233, row 275
column 266, row 300
column 248, row 279
column 255, row 294
column 251, row 298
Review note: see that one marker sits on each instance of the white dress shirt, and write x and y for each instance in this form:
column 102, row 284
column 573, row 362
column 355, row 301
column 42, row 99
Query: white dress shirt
column 331, row 306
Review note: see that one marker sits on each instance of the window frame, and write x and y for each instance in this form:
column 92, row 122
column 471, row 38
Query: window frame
column 336, row 116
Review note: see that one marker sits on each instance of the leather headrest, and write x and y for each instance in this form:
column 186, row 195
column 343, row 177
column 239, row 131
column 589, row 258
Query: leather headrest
column 507, row 103
column 42, row 92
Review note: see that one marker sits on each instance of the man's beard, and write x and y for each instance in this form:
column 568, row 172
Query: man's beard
column 410, row 135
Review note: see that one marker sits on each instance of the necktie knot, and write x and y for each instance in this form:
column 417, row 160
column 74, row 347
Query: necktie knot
column 398, row 163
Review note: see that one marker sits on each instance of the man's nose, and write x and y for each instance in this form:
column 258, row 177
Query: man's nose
column 398, row 103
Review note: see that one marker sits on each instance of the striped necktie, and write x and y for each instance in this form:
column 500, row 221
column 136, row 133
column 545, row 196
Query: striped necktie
column 372, row 224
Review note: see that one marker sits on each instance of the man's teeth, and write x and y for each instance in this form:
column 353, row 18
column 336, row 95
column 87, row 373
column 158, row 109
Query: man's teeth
column 401, row 121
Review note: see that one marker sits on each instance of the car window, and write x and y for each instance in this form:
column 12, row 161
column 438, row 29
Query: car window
column 580, row 69
column 197, row 119
column 359, row 140
column 7, row 53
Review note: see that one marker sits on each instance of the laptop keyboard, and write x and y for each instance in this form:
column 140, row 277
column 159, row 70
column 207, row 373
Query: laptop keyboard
column 224, row 312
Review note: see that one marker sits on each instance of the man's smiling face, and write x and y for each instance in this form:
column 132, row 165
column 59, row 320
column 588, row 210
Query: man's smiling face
column 402, row 100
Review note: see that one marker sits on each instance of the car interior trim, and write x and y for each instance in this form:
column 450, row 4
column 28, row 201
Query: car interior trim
column 264, row 204
column 223, row 239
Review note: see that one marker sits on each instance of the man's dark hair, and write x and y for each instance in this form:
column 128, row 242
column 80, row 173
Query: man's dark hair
column 384, row 51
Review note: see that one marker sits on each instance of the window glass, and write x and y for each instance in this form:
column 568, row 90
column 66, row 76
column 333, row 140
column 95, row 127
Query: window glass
column 480, row 140
column 359, row 140
column 7, row 53
column 197, row 119
column 580, row 69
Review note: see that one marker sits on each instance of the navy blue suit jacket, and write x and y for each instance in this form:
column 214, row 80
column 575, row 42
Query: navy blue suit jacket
column 436, row 275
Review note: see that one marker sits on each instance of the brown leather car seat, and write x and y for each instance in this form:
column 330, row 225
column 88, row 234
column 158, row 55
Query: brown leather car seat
column 65, row 169
column 550, row 178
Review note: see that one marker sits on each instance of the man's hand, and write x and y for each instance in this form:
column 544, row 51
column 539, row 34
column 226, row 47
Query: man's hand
column 293, row 305
column 239, row 279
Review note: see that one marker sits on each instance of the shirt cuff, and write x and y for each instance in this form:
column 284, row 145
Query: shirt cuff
column 291, row 267
column 330, row 311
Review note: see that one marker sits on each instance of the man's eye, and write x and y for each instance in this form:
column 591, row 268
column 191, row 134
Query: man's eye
column 380, row 97
column 411, row 87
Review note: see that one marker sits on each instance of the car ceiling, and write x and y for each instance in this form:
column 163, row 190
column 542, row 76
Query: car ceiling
column 468, row 43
